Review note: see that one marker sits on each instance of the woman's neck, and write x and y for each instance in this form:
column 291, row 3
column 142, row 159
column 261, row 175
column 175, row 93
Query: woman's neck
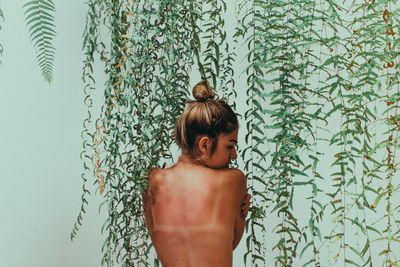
column 188, row 158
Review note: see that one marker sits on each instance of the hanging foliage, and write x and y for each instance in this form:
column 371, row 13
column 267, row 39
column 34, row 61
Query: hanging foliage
column 304, row 56
column 309, row 63
column 40, row 20
column 280, row 40
column 216, row 60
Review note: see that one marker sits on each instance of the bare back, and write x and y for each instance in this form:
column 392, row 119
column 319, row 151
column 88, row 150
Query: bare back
column 191, row 212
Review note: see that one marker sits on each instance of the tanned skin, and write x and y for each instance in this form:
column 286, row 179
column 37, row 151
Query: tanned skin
column 195, row 213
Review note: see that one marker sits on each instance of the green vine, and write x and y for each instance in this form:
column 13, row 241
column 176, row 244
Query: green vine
column 92, row 44
column 283, row 39
column 358, row 88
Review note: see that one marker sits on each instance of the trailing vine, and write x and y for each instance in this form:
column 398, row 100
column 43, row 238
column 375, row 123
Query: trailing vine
column 283, row 39
column 217, row 56
column 361, row 63
column 279, row 56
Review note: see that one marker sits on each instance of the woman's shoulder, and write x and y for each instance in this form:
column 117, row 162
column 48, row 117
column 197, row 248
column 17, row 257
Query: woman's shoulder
column 234, row 172
column 159, row 175
column 232, row 177
column 237, row 180
column 155, row 173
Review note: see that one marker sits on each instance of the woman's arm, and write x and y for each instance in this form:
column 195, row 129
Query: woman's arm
column 243, row 207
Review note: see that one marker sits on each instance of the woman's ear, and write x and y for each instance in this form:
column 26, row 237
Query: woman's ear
column 204, row 144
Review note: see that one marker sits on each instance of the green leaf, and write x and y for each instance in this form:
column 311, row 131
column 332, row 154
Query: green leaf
column 378, row 198
column 305, row 248
column 373, row 229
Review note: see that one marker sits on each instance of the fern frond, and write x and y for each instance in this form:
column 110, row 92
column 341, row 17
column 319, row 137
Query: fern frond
column 40, row 21
column 1, row 16
column 2, row 20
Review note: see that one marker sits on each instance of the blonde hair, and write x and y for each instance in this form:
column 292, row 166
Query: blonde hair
column 204, row 116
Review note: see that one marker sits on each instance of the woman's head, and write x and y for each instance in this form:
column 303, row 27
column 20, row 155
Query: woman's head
column 204, row 116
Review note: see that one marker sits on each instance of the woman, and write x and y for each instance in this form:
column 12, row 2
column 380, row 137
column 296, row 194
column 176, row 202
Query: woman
column 195, row 211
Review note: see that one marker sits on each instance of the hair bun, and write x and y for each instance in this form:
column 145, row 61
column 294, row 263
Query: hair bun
column 202, row 91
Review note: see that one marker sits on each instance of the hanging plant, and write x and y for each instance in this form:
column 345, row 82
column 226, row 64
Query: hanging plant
column 303, row 55
column 357, row 62
column 280, row 36
column 217, row 58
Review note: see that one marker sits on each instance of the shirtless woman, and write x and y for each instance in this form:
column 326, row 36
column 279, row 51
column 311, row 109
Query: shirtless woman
column 195, row 211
